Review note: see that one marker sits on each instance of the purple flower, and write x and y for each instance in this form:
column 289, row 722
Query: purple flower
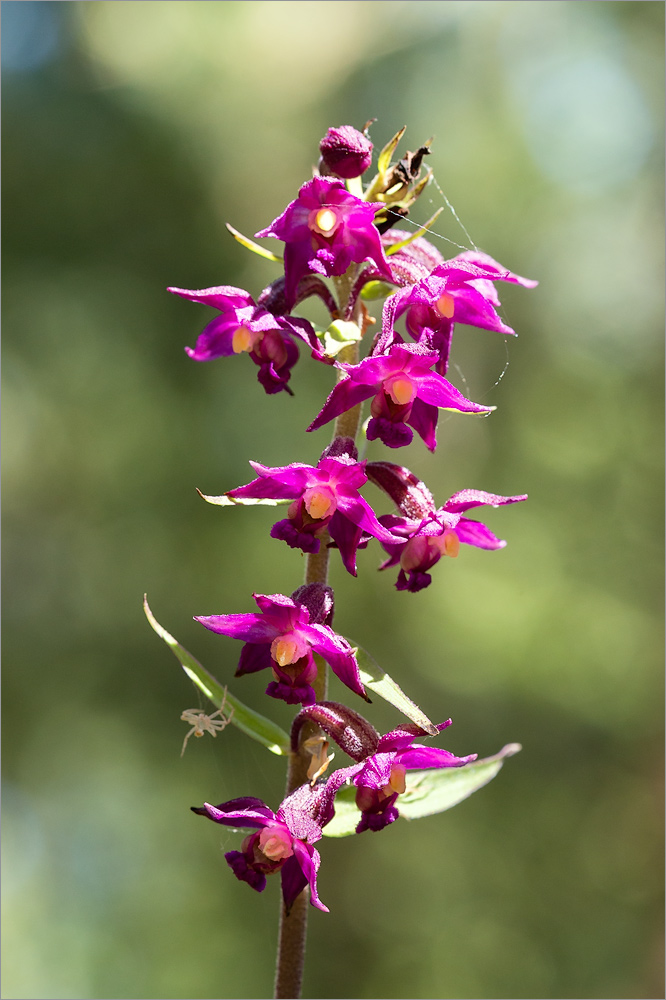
column 429, row 533
column 380, row 779
column 325, row 498
column 405, row 392
column 281, row 841
column 457, row 291
column 283, row 638
column 325, row 230
column 345, row 152
column 245, row 327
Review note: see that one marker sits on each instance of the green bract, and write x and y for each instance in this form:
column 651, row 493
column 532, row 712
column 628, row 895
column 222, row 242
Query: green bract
column 378, row 680
column 427, row 792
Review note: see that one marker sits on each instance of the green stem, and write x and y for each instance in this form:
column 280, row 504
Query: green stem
column 294, row 925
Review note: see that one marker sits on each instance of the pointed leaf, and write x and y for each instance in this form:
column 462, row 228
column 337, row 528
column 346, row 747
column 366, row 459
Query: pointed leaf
column 251, row 722
column 355, row 186
column 387, row 152
column 427, row 793
column 251, row 245
column 379, row 681
column 415, row 235
column 225, row 501
column 436, row 790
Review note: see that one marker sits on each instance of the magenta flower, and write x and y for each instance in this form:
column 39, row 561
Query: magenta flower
column 457, row 291
column 281, row 841
column 325, row 230
column 405, row 392
column 283, row 638
column 380, row 779
column 326, row 498
column 345, row 152
column 429, row 533
column 245, row 327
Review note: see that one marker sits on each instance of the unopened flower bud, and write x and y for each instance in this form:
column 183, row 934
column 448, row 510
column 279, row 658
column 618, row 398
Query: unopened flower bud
column 410, row 495
column 341, row 447
column 345, row 152
column 353, row 734
column 318, row 599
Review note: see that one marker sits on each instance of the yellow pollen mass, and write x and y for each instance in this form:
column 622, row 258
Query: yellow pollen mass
column 446, row 306
column 451, row 544
column 318, row 505
column 397, row 780
column 401, row 391
column 242, row 340
column 326, row 220
column 284, row 651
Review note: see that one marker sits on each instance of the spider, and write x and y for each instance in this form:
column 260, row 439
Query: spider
column 202, row 723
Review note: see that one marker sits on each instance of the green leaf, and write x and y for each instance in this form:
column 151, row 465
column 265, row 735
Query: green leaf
column 251, row 245
column 226, row 501
column 255, row 725
column 428, row 792
column 415, row 235
column 438, row 789
column 379, row 681
column 384, row 158
column 347, row 814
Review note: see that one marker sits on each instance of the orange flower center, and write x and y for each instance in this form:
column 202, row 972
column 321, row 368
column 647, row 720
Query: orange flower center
column 400, row 388
column 244, row 340
column 274, row 843
column 446, row 305
column 319, row 502
column 323, row 221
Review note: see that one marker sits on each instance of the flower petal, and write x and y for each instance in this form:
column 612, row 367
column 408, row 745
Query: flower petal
column 246, row 811
column 474, row 533
column 250, row 627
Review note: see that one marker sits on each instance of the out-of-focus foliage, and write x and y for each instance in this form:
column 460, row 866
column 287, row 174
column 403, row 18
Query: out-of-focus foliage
column 132, row 132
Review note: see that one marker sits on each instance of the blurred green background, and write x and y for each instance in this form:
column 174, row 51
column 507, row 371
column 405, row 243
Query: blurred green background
column 132, row 132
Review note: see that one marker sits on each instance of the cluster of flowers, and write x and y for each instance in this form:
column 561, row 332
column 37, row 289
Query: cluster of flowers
column 336, row 229
column 284, row 841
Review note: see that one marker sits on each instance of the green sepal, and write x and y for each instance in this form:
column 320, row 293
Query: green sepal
column 415, row 235
column 252, row 723
column 379, row 681
column 226, row 501
column 251, row 245
column 428, row 792
column 338, row 335
column 384, row 158
column 376, row 289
